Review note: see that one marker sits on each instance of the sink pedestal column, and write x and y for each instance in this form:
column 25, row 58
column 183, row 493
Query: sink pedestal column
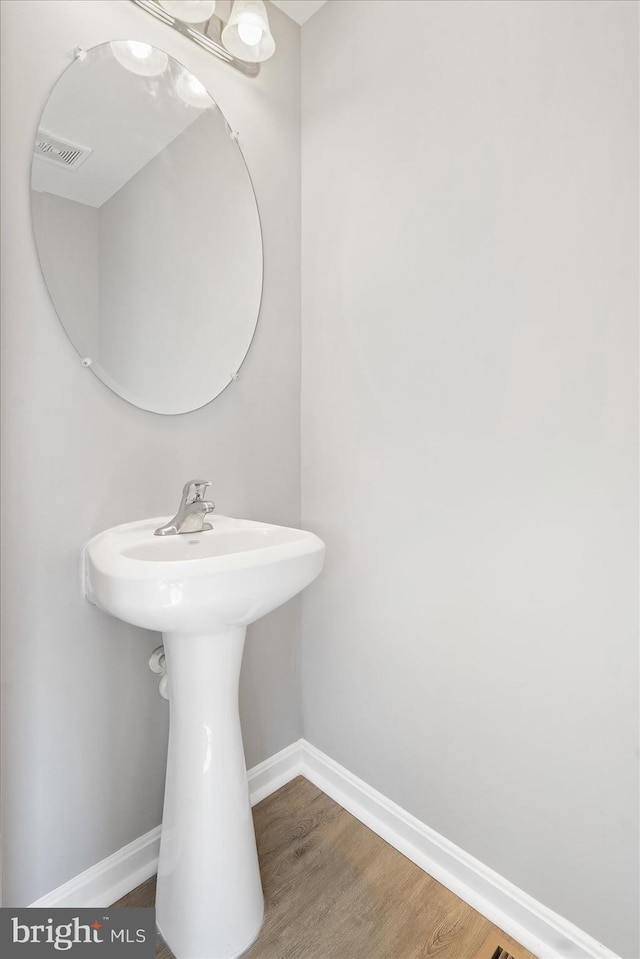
column 209, row 901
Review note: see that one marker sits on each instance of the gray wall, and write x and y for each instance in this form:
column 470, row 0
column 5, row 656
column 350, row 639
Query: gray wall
column 69, row 255
column 84, row 728
column 470, row 282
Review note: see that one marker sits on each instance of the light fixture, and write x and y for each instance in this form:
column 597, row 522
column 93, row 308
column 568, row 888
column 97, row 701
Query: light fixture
column 189, row 11
column 247, row 35
column 140, row 58
column 193, row 92
column 237, row 33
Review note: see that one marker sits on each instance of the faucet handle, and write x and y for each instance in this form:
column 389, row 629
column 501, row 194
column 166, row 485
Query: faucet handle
column 193, row 491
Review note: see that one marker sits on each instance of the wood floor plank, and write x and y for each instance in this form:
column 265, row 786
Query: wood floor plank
column 335, row 890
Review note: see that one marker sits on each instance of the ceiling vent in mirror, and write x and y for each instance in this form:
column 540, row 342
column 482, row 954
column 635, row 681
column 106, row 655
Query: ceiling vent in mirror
column 60, row 152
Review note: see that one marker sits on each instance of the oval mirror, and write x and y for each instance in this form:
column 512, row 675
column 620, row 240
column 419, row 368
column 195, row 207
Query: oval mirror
column 147, row 227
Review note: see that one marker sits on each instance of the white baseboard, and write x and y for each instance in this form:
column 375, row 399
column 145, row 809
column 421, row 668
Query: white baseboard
column 113, row 877
column 108, row 880
column 275, row 772
column 536, row 927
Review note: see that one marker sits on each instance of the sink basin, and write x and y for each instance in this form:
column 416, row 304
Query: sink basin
column 230, row 575
column 201, row 590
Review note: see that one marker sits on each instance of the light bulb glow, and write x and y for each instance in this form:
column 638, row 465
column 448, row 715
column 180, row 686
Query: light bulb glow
column 195, row 86
column 140, row 50
column 140, row 58
column 250, row 33
column 193, row 92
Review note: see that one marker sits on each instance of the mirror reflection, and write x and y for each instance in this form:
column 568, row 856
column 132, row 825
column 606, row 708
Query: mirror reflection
column 147, row 227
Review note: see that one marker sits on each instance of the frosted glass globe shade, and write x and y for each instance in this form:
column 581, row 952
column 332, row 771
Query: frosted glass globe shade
column 247, row 35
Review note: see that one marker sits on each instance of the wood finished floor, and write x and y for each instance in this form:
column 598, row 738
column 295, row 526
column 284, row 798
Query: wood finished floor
column 335, row 890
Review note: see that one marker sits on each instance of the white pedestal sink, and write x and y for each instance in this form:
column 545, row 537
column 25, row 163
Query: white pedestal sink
column 201, row 590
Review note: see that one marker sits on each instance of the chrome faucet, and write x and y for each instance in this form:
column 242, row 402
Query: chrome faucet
column 193, row 509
